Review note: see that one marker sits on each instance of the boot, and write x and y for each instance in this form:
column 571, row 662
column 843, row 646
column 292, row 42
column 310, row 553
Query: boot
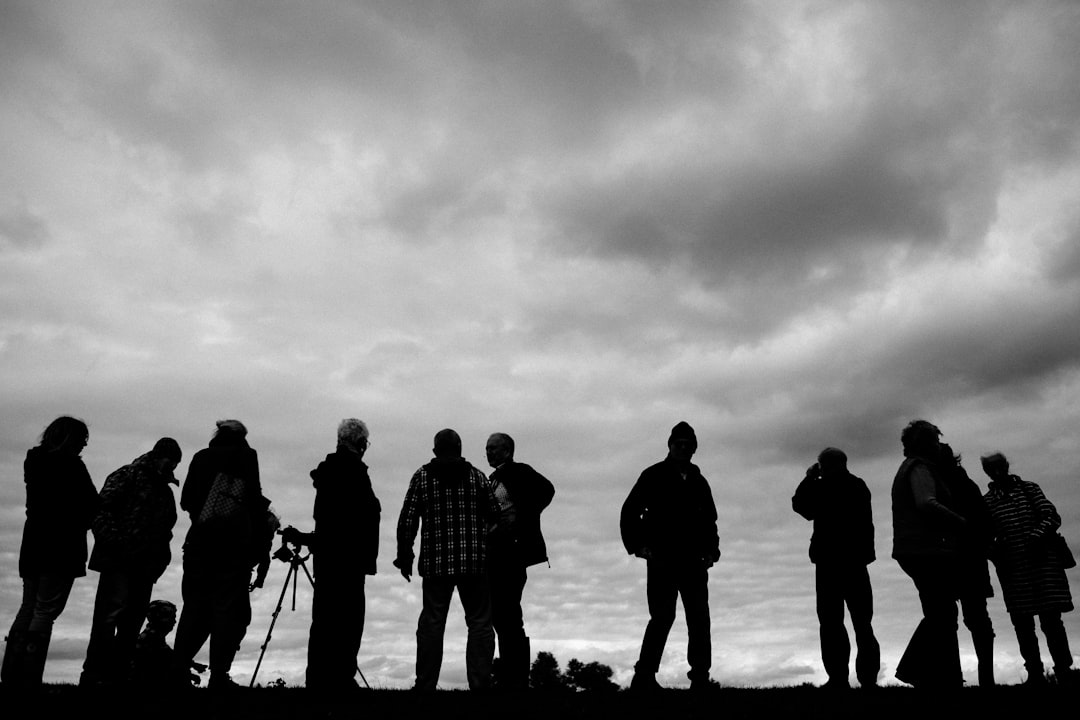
column 984, row 651
column 37, row 649
column 14, row 657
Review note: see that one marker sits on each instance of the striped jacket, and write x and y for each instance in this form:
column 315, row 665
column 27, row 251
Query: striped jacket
column 452, row 505
column 1023, row 521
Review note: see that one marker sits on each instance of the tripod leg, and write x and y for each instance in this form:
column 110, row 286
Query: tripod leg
column 277, row 611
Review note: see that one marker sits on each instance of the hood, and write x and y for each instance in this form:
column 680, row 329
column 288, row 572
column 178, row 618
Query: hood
column 341, row 462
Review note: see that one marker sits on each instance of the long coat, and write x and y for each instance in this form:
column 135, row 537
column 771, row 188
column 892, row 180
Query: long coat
column 1032, row 581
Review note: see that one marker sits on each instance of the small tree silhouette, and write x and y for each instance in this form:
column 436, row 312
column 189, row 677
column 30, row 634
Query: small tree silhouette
column 545, row 673
column 591, row 676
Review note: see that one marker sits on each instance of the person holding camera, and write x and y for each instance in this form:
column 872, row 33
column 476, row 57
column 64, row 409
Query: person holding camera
column 344, row 547
column 841, row 548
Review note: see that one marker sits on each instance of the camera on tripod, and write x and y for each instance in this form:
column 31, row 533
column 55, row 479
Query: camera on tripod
column 292, row 540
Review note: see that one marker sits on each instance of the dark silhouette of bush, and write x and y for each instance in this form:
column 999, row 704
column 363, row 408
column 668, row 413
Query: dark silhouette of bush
column 545, row 673
column 591, row 676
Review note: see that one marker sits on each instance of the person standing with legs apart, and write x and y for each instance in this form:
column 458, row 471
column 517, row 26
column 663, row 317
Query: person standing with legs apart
column 925, row 538
column 841, row 548
column 61, row 501
column 1030, row 567
column 452, row 500
column 669, row 520
column 514, row 544
column 344, row 548
column 132, row 532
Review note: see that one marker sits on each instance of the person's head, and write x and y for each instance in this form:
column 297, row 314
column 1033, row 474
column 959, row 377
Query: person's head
column 682, row 443
column 832, row 462
column 66, row 435
column 920, row 438
column 161, row 616
column 166, row 453
column 230, row 430
column 500, row 449
column 353, row 434
column 996, row 466
column 447, row 445
column 946, row 456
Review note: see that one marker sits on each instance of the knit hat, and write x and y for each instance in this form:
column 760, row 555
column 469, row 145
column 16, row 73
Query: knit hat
column 682, row 431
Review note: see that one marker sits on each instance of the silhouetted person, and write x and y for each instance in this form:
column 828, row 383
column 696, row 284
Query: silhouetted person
column 61, row 500
column 841, row 547
column 669, row 519
column 454, row 502
column 344, row 547
column 152, row 666
column 231, row 533
column 132, row 532
column 925, row 539
column 1032, row 575
column 973, row 572
column 514, row 543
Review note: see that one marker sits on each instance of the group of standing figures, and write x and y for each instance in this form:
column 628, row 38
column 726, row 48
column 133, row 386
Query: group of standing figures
column 479, row 534
column 945, row 533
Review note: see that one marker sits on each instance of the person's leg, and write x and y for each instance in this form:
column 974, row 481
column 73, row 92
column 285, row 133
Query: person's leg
column 429, row 631
column 11, row 673
column 662, row 592
column 977, row 620
column 337, row 626
column 109, row 601
column 130, row 622
column 193, row 626
column 860, row 603
column 52, row 592
column 694, row 589
column 475, row 594
column 1057, row 642
column 932, row 658
column 1024, row 625
column 507, row 584
column 231, row 615
column 835, row 645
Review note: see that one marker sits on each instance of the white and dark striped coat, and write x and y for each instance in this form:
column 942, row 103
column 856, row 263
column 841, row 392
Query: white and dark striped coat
column 1023, row 521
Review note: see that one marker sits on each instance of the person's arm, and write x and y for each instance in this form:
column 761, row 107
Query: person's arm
column 924, row 490
column 805, row 499
column 407, row 527
column 632, row 521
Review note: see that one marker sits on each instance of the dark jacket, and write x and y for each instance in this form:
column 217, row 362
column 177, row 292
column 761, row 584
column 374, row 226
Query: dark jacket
column 242, row 541
column 671, row 515
column 61, row 500
column 531, row 493
column 134, row 523
column 843, row 518
column 923, row 523
column 973, row 545
column 346, row 536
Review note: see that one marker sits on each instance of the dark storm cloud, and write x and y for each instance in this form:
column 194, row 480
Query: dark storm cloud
column 21, row 227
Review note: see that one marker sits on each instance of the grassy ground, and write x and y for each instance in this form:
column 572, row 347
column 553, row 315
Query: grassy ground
column 69, row 702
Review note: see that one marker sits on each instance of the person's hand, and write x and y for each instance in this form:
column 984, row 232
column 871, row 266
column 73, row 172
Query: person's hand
column 405, row 568
column 260, row 576
column 292, row 536
column 644, row 553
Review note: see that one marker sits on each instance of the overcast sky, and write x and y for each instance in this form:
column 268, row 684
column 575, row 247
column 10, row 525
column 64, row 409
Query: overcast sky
column 791, row 224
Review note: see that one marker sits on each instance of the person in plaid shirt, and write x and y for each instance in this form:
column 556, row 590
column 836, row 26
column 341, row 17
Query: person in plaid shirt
column 456, row 506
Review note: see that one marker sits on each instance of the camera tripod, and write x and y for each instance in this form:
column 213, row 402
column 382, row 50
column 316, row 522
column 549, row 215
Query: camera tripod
column 297, row 562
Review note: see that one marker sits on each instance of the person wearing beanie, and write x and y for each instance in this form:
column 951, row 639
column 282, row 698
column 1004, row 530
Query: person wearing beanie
column 132, row 531
column 669, row 520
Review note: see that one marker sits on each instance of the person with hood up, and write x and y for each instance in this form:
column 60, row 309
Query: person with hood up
column 344, row 547
column 452, row 505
